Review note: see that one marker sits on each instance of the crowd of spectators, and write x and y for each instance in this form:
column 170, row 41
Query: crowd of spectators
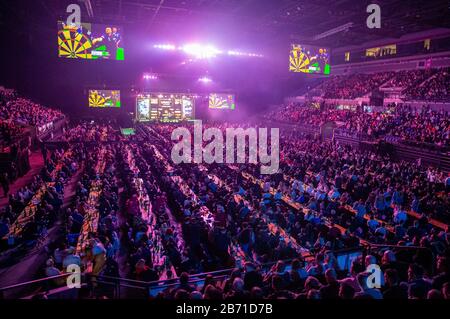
column 8, row 127
column 422, row 85
column 293, row 281
column 401, row 121
column 281, row 233
column 26, row 112
column 15, row 108
column 350, row 86
column 90, row 132
column 410, row 79
column 9, row 130
column 137, row 215
column 89, row 236
column 15, row 140
column 436, row 88
column 328, row 181
column 35, row 207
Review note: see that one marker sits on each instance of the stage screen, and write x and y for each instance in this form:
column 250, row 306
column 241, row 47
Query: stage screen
column 309, row 59
column 165, row 107
column 90, row 41
column 222, row 101
column 104, row 98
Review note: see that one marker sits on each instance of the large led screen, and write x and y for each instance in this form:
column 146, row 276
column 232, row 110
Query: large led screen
column 104, row 98
column 222, row 101
column 164, row 107
column 90, row 41
column 309, row 59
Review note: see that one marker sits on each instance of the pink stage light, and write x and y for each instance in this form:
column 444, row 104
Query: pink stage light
column 150, row 76
column 205, row 80
column 165, row 47
column 237, row 53
column 201, row 51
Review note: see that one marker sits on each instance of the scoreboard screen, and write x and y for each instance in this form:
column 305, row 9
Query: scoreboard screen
column 309, row 59
column 165, row 107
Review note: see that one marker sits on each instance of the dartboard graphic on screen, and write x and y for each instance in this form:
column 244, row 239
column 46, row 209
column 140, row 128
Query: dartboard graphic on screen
column 104, row 98
column 96, row 100
column 73, row 44
column 221, row 101
column 309, row 59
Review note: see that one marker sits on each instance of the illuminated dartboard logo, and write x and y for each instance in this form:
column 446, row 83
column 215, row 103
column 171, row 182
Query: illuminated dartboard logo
column 96, row 100
column 298, row 60
column 73, row 44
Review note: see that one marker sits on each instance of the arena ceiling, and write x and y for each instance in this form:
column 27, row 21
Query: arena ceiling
column 295, row 19
column 298, row 20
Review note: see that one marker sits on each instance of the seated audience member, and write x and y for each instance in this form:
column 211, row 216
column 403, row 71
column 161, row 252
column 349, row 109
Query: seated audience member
column 393, row 289
column 418, row 286
column 366, row 291
column 346, row 291
column 434, row 294
column 183, row 284
column 331, row 289
column 212, row 293
column 443, row 273
column 252, row 278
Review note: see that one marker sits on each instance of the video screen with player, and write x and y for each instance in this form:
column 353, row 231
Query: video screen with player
column 222, row 101
column 309, row 59
column 165, row 107
column 90, row 41
column 104, row 98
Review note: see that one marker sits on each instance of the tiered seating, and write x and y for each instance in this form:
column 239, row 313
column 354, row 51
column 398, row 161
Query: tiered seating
column 409, row 80
column 424, row 126
column 350, row 86
column 171, row 222
column 35, row 207
column 329, row 207
column 422, row 84
column 92, row 214
column 26, row 112
column 435, row 89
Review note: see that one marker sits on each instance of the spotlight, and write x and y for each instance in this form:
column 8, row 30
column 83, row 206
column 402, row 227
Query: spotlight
column 200, row 51
column 237, row 53
column 205, row 80
column 147, row 76
column 164, row 46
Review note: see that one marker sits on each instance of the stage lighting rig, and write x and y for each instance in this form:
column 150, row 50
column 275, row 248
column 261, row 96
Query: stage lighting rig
column 169, row 47
column 202, row 52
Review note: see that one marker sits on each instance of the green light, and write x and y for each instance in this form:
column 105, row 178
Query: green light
column 120, row 54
